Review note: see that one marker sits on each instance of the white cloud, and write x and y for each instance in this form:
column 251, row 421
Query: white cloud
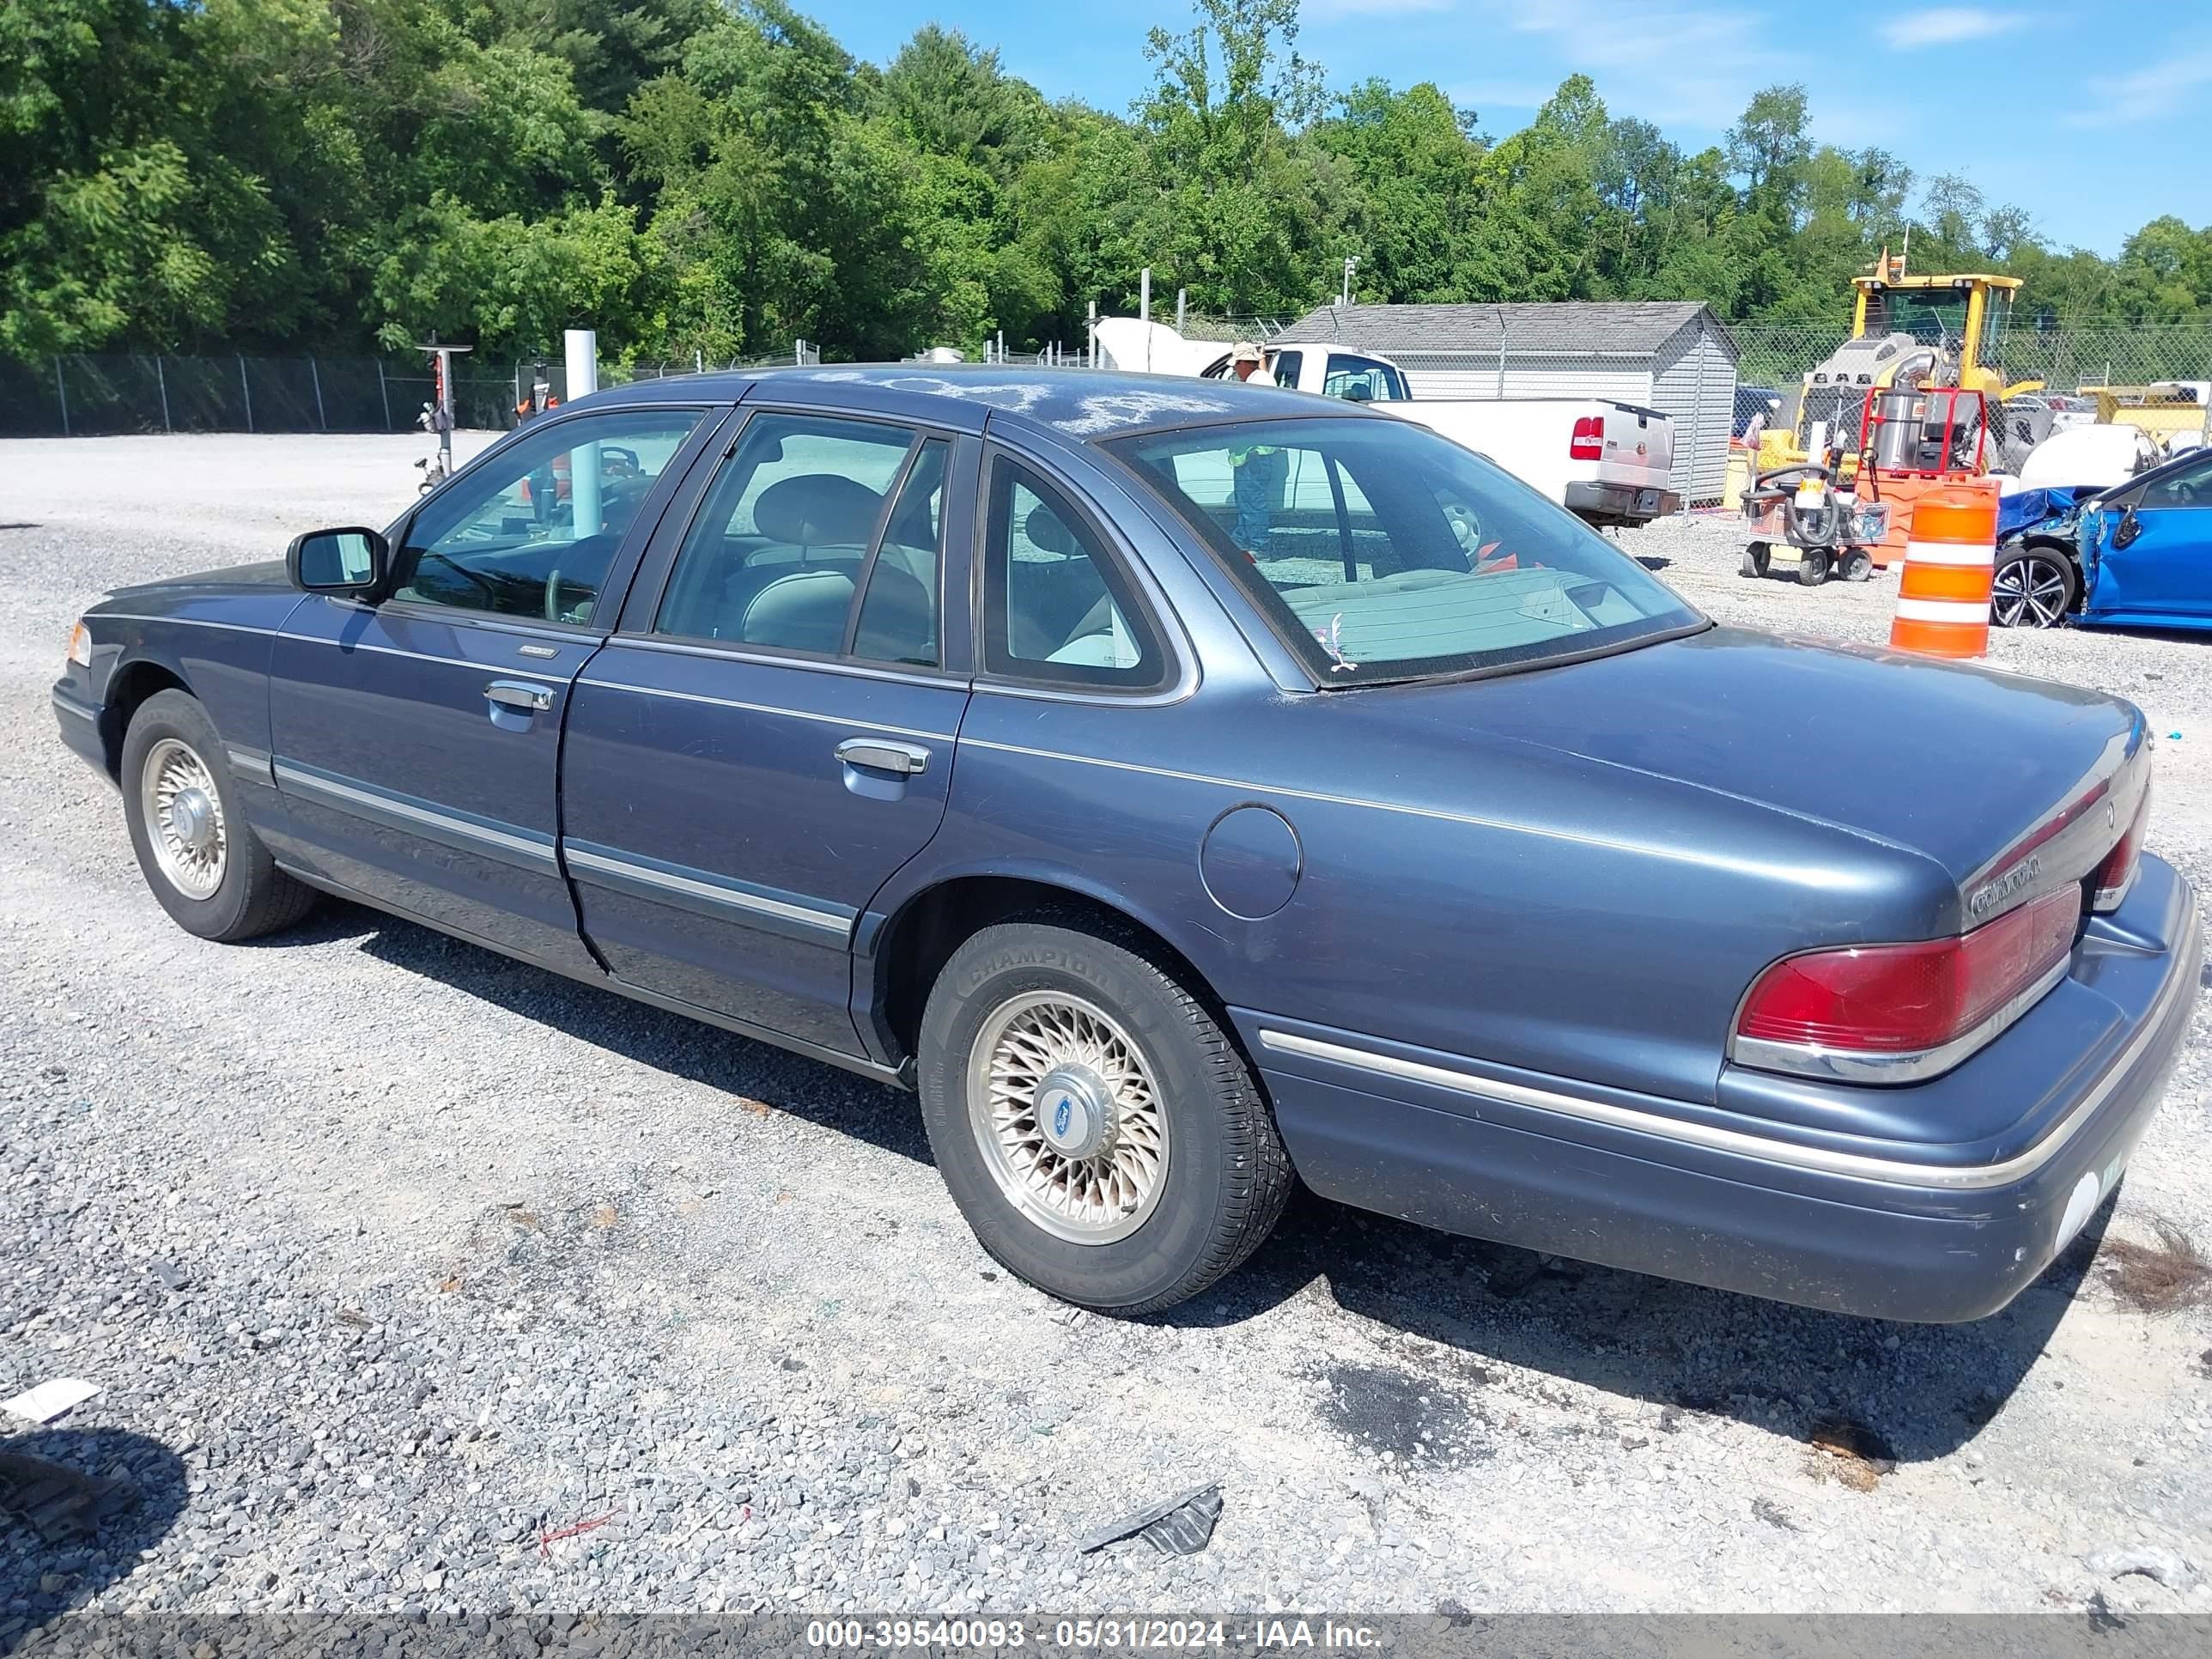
column 1689, row 65
column 1945, row 26
column 2154, row 93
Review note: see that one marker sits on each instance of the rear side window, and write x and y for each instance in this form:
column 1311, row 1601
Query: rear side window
column 1361, row 380
column 1057, row 607
column 1287, row 365
column 777, row 554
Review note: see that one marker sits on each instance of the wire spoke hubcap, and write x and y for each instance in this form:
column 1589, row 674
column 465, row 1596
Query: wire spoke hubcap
column 184, row 818
column 1063, row 1106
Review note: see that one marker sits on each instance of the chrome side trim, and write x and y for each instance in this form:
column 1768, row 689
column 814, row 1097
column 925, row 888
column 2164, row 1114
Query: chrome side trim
column 718, row 651
column 845, row 720
column 717, row 896
column 1907, row 1066
column 388, row 651
column 508, row 845
column 253, row 764
column 190, row 622
column 69, row 705
column 1820, row 1160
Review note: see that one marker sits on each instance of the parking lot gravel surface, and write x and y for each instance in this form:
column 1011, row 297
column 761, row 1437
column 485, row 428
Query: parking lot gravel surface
column 415, row 1278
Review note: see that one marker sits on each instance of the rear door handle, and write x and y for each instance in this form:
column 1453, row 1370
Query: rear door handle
column 519, row 694
column 907, row 760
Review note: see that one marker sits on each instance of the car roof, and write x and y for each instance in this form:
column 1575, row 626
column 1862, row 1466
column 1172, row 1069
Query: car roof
column 1081, row 403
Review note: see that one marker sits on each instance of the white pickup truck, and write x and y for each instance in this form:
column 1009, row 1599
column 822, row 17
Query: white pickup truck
column 1609, row 463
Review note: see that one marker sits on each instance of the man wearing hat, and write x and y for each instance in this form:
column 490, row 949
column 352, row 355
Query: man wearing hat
column 1256, row 468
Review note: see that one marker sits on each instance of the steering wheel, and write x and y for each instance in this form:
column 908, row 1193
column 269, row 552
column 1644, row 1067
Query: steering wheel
column 552, row 606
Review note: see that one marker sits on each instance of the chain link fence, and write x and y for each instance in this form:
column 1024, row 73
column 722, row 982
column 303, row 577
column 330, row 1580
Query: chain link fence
column 110, row 394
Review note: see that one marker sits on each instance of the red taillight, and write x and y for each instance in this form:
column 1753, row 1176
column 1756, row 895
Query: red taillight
column 1588, row 443
column 2117, row 872
column 1902, row 999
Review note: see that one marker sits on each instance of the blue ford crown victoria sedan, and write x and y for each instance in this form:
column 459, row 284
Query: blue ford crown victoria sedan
column 1182, row 788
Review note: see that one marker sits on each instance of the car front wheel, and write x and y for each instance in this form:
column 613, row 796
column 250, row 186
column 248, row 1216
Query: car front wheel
column 188, row 826
column 2033, row 588
column 1097, row 1128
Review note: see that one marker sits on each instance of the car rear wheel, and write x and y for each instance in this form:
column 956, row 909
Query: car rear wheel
column 2033, row 588
column 1097, row 1126
column 188, row 826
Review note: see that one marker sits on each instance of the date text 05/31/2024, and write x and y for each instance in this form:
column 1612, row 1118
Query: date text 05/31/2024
column 1128, row 1633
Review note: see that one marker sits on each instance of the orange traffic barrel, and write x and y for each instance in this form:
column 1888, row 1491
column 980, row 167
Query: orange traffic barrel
column 1943, row 595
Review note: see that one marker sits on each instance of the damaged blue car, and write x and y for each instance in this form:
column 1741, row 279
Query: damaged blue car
column 2136, row 554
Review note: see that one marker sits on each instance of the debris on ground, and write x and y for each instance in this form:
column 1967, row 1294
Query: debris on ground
column 1774, row 1515
column 2158, row 1279
column 50, row 1399
column 1181, row 1526
column 547, row 1540
column 2152, row 1561
column 57, row 1502
column 1852, row 1453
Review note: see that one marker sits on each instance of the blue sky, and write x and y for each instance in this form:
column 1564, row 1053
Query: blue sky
column 2092, row 118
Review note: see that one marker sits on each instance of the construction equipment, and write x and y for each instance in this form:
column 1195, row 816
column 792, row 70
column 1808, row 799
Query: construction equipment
column 1901, row 407
column 1807, row 518
column 1908, row 333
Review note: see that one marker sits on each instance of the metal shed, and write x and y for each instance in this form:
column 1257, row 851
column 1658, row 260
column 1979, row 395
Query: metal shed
column 1672, row 355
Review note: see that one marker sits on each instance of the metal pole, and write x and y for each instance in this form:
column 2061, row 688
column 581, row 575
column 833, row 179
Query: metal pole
column 1698, row 426
column 1090, row 339
column 61, row 392
column 584, row 475
column 322, row 420
column 384, row 394
column 1501, row 359
column 246, row 389
column 161, row 380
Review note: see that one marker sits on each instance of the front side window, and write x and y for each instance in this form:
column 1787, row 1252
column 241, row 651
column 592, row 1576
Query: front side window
column 1381, row 551
column 2187, row 485
column 1287, row 365
column 1056, row 606
column 532, row 531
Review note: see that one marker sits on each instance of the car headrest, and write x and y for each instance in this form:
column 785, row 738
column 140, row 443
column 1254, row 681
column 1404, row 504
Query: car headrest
column 802, row 612
column 1047, row 532
column 818, row 509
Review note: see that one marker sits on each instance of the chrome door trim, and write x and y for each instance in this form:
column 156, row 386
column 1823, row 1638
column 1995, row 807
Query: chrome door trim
column 507, row 842
column 709, row 894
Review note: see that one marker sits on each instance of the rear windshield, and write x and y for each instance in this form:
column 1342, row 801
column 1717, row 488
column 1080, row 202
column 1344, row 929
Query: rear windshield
column 1381, row 551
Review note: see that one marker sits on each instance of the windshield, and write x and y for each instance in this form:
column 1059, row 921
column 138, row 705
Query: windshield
column 1380, row 552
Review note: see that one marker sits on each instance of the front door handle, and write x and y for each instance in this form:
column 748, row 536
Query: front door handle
column 907, row 760
column 520, row 694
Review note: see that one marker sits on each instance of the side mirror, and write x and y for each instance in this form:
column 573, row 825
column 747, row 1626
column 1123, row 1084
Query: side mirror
column 2128, row 529
column 351, row 561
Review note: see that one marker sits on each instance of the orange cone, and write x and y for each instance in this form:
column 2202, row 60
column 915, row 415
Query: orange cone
column 1943, row 595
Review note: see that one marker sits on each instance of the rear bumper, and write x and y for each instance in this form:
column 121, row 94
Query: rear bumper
column 1910, row 1231
column 1618, row 503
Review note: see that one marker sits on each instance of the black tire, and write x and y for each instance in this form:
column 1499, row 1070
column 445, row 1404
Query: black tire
column 1755, row 558
column 1226, row 1175
column 2033, row 587
column 1813, row 566
column 1857, row 566
column 253, row 896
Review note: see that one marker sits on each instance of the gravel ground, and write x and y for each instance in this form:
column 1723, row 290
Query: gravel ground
column 396, row 1260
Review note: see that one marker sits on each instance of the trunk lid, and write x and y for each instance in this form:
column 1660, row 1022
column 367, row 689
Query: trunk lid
column 2011, row 785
